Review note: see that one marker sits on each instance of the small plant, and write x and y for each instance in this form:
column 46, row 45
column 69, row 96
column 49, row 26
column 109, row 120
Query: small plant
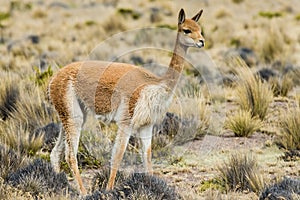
column 290, row 134
column 42, row 78
column 243, row 124
column 214, row 184
column 3, row 17
column 253, row 95
column 297, row 17
column 90, row 23
column 168, row 26
column 237, row 1
column 240, row 173
column 129, row 12
column 269, row 15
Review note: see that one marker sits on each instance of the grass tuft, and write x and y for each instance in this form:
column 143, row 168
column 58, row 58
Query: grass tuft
column 272, row 44
column 281, row 86
column 240, row 173
column 243, row 124
column 253, row 95
column 114, row 25
column 290, row 135
column 10, row 161
column 9, row 96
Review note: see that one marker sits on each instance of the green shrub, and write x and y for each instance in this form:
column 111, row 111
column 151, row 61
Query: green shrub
column 42, row 78
column 241, row 173
column 237, row 1
column 269, row 15
column 243, row 124
column 129, row 12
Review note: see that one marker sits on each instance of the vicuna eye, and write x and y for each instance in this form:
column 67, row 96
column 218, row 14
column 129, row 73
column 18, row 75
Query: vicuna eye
column 187, row 31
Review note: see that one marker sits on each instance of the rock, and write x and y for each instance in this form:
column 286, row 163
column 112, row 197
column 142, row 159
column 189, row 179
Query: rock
column 266, row 73
column 51, row 132
column 58, row 4
column 169, row 126
column 35, row 39
column 246, row 54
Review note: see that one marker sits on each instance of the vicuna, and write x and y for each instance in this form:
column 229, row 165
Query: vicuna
column 131, row 96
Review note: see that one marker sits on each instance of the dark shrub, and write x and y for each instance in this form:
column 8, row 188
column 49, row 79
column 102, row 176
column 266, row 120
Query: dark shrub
column 39, row 178
column 288, row 189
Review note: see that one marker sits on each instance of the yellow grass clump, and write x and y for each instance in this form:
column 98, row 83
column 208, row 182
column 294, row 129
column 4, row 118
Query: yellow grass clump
column 252, row 94
column 243, row 124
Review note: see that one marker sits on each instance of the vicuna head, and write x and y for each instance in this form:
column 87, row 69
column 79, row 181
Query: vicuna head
column 189, row 31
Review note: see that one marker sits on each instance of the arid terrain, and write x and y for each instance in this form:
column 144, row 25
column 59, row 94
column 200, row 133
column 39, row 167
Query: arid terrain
column 232, row 131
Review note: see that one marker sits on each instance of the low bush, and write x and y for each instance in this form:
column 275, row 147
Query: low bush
column 136, row 186
column 39, row 178
column 286, row 189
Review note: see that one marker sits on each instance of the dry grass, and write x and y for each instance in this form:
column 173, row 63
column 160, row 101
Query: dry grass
column 282, row 86
column 243, row 124
column 25, row 111
column 290, row 124
column 272, row 44
column 9, row 95
column 253, row 95
column 241, row 173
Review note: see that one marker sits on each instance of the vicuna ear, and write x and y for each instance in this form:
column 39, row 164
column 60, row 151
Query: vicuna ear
column 197, row 16
column 181, row 16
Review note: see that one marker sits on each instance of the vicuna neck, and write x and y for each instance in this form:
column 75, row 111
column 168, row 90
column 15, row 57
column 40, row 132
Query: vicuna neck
column 176, row 65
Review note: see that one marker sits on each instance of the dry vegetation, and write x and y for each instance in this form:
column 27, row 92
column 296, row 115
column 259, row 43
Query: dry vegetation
column 232, row 131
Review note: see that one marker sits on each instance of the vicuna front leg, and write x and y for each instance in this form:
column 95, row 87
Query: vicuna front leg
column 119, row 148
column 146, row 138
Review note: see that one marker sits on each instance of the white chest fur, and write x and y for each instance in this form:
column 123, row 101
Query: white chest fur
column 153, row 102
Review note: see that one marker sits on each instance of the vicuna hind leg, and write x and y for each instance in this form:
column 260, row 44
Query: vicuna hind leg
column 146, row 138
column 119, row 148
column 73, row 125
column 58, row 150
